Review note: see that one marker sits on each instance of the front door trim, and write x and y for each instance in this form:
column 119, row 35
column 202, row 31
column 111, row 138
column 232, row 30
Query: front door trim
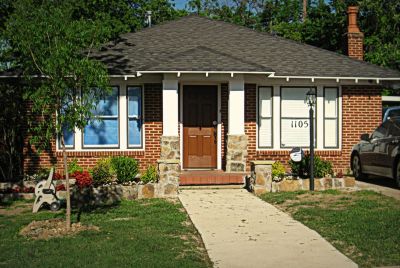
column 219, row 126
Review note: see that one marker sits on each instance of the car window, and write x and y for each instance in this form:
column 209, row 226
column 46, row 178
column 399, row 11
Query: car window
column 394, row 129
column 394, row 113
column 381, row 131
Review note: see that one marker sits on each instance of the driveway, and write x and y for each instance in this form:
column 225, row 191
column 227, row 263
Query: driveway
column 241, row 230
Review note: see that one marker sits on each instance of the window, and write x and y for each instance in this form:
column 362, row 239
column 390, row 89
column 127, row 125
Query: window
column 331, row 126
column 295, row 123
column 135, row 118
column 265, row 117
column 104, row 132
column 69, row 136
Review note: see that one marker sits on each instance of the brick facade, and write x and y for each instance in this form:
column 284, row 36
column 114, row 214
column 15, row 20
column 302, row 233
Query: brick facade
column 361, row 113
column 87, row 159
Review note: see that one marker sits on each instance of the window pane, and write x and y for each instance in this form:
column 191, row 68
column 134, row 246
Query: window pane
column 295, row 123
column 294, row 102
column 264, row 133
column 135, row 130
column 331, row 132
column 330, row 102
column 68, row 137
column 264, row 101
column 104, row 132
column 296, row 132
column 135, row 116
column 109, row 105
column 134, row 102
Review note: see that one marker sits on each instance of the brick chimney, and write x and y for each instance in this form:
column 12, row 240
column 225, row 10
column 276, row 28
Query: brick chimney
column 355, row 38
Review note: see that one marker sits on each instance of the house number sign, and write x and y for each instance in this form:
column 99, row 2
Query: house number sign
column 299, row 124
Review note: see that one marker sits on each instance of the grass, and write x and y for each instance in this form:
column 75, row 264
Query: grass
column 145, row 233
column 364, row 225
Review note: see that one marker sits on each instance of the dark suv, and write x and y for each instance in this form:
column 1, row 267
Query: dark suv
column 379, row 153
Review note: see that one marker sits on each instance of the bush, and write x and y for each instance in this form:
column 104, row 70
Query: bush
column 302, row 168
column 83, row 179
column 126, row 168
column 103, row 172
column 278, row 170
column 73, row 166
column 150, row 175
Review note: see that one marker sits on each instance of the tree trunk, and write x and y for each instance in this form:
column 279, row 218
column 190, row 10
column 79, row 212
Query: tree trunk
column 68, row 196
column 304, row 10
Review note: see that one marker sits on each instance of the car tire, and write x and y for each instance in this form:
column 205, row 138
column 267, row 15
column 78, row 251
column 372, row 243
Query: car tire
column 397, row 175
column 356, row 167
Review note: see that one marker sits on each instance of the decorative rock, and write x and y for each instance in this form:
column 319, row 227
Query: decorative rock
column 289, row 186
column 170, row 190
column 236, row 153
column 147, row 191
column 349, row 182
column 170, row 147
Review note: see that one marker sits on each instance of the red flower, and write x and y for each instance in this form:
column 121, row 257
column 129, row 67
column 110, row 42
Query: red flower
column 58, row 176
column 83, row 179
column 60, row 187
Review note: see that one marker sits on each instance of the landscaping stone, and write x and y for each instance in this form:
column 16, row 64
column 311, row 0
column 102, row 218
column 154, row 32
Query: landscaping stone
column 262, row 181
column 168, row 171
column 147, row 191
column 236, row 153
column 130, row 192
column 289, row 186
column 170, row 147
column 349, row 182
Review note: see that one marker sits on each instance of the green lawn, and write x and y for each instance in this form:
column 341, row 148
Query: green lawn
column 364, row 225
column 146, row 233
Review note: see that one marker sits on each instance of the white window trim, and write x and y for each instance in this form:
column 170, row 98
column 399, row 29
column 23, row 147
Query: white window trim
column 122, row 125
column 271, row 117
column 276, row 117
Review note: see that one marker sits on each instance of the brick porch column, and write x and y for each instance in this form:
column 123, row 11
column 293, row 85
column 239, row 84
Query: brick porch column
column 237, row 140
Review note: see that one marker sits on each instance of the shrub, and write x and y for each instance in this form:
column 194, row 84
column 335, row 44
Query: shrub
column 126, row 168
column 302, row 168
column 278, row 170
column 83, row 179
column 150, row 175
column 103, row 172
column 73, row 166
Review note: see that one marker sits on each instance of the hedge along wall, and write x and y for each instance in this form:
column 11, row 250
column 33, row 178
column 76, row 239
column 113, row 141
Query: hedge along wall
column 87, row 159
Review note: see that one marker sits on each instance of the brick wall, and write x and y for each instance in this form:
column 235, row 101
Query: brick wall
column 355, row 45
column 361, row 113
column 153, row 132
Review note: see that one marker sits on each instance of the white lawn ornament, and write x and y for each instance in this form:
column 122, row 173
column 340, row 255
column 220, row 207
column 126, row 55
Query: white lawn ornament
column 45, row 192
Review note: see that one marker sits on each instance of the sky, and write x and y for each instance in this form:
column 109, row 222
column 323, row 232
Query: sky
column 179, row 4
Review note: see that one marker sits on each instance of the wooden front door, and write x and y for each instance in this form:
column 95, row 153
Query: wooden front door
column 200, row 126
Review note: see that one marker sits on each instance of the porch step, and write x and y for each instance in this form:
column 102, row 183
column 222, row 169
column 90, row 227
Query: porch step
column 210, row 177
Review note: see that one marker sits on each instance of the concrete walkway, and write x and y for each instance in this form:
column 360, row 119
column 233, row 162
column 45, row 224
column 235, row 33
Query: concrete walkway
column 241, row 230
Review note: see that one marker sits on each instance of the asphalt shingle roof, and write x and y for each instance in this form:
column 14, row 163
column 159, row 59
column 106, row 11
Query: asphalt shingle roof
column 195, row 43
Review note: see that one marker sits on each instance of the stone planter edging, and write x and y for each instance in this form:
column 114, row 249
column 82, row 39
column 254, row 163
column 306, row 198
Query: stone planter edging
column 262, row 182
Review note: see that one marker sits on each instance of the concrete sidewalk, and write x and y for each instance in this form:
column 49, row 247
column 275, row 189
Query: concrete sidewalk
column 241, row 230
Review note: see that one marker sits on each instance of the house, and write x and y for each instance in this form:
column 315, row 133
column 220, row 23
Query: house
column 212, row 95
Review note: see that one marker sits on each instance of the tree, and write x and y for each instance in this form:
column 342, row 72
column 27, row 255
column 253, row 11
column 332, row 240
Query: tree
column 53, row 45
